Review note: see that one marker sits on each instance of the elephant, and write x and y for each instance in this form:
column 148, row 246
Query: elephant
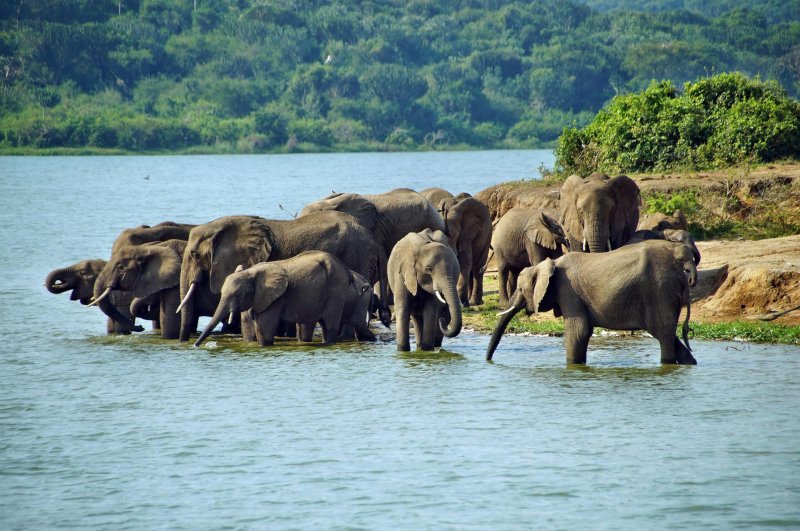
column 152, row 272
column 671, row 235
column 388, row 217
column 524, row 237
column 659, row 221
column 215, row 249
column 636, row 287
column 117, row 305
column 599, row 213
column 468, row 226
column 80, row 278
column 309, row 287
column 435, row 195
column 423, row 272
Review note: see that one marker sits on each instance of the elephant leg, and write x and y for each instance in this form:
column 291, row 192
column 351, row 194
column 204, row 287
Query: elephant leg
column 577, row 332
column 419, row 327
column 169, row 319
column 465, row 268
column 683, row 354
column 502, row 283
column 305, row 332
column 430, row 325
column 476, row 287
column 402, row 318
column 248, row 326
column 330, row 323
column 265, row 326
column 513, row 274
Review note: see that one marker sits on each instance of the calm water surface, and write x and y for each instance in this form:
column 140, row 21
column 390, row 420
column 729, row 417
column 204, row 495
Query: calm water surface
column 100, row 432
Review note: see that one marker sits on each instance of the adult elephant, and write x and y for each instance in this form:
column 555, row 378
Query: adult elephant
column 80, row 278
column 524, row 237
column 215, row 249
column 636, row 287
column 468, row 226
column 312, row 286
column 388, row 216
column 423, row 272
column 152, row 273
column 435, row 195
column 599, row 213
column 117, row 305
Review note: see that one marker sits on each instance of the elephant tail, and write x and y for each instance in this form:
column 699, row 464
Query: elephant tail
column 488, row 259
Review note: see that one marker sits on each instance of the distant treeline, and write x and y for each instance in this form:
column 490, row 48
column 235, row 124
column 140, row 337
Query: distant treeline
column 285, row 75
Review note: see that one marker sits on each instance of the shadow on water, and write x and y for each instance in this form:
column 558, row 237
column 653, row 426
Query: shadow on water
column 418, row 358
column 229, row 344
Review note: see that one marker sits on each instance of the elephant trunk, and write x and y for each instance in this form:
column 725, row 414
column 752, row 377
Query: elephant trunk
column 517, row 303
column 453, row 328
column 60, row 280
column 598, row 239
column 224, row 309
column 103, row 287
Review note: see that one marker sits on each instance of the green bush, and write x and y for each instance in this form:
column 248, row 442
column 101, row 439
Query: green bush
column 723, row 120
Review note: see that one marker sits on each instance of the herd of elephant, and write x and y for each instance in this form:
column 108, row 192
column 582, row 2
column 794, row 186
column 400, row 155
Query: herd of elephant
column 348, row 258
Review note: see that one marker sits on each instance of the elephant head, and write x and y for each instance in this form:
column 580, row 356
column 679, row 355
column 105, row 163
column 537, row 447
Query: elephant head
column 143, row 270
column 424, row 261
column 465, row 220
column 684, row 254
column 255, row 287
column 683, row 236
column 215, row 249
column 80, row 278
column 599, row 213
column 531, row 295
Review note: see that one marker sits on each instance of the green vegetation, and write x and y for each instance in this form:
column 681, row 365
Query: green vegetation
column 723, row 120
column 300, row 75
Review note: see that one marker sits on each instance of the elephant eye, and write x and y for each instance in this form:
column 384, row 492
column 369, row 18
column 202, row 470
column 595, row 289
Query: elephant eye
column 428, row 269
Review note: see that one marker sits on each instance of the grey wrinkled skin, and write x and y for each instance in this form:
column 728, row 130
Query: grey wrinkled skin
column 313, row 286
column 637, row 287
column 421, row 264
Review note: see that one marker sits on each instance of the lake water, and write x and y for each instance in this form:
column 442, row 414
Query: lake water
column 101, row 432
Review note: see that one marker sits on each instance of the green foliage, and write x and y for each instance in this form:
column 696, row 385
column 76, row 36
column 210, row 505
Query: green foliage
column 401, row 75
column 718, row 121
column 685, row 201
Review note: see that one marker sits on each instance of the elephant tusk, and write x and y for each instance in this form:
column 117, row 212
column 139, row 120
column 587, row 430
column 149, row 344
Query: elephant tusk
column 187, row 297
column 100, row 298
column 439, row 296
column 506, row 311
column 609, row 244
column 584, row 245
column 230, row 319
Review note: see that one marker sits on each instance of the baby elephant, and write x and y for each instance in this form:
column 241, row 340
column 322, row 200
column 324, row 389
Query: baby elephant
column 524, row 237
column 311, row 287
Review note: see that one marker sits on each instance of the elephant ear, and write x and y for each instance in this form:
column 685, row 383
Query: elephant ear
column 159, row 269
column 542, row 232
column 435, row 236
column 244, row 241
column 570, row 221
column 271, row 282
column 535, row 281
column 626, row 214
column 405, row 255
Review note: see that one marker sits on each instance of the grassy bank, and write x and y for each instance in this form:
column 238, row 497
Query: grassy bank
column 483, row 319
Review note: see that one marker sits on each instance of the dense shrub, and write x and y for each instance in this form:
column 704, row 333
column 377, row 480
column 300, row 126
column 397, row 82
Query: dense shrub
column 722, row 120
